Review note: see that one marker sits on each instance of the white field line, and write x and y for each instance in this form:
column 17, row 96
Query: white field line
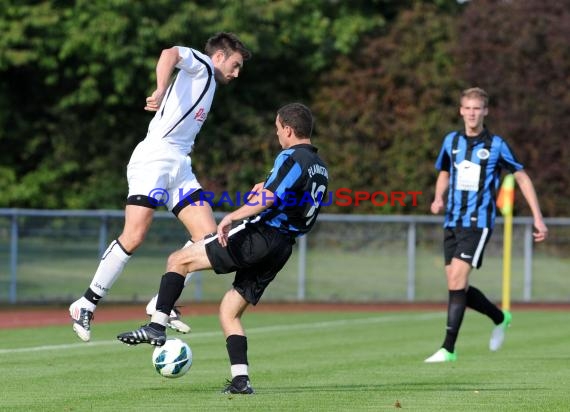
column 262, row 329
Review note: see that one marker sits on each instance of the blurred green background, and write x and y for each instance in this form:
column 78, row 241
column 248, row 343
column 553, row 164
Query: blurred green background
column 383, row 78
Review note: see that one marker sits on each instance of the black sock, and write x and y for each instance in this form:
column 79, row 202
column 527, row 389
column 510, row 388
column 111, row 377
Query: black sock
column 478, row 301
column 237, row 349
column 92, row 296
column 171, row 285
column 455, row 311
column 157, row 326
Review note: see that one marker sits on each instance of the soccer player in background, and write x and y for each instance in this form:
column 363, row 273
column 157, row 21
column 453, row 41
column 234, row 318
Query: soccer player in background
column 282, row 208
column 160, row 165
column 469, row 164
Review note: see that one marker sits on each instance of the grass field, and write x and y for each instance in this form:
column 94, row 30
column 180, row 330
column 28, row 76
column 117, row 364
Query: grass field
column 309, row 361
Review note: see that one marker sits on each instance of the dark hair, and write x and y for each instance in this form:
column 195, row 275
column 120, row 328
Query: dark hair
column 298, row 117
column 228, row 43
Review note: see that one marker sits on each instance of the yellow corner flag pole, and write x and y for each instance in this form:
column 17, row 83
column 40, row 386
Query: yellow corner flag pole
column 505, row 203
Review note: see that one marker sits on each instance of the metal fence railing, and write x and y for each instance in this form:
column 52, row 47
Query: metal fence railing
column 50, row 256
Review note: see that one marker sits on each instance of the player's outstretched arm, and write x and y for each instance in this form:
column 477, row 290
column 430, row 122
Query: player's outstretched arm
column 527, row 189
column 255, row 204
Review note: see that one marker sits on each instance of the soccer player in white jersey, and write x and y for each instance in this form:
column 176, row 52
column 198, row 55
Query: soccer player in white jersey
column 160, row 170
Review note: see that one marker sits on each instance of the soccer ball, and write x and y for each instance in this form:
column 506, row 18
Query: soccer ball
column 173, row 359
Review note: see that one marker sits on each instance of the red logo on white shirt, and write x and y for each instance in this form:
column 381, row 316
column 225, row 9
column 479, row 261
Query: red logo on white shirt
column 200, row 115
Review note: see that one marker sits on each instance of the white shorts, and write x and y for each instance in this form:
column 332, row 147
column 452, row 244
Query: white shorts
column 159, row 171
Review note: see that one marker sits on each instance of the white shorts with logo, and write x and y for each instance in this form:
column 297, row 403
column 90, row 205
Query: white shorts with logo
column 161, row 172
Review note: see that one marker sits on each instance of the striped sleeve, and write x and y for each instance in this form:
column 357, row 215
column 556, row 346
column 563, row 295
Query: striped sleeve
column 284, row 175
column 508, row 159
column 443, row 161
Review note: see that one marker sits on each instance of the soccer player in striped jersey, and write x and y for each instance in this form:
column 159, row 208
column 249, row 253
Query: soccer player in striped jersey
column 470, row 164
column 160, row 171
column 282, row 208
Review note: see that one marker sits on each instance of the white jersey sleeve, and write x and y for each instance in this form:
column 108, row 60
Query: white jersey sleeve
column 188, row 62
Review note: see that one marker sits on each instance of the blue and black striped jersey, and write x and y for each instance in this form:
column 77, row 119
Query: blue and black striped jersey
column 299, row 181
column 474, row 165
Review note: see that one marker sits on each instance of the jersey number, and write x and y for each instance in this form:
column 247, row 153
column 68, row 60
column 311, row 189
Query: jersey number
column 317, row 193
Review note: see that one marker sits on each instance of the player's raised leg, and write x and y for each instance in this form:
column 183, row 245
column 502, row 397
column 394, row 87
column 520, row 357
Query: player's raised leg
column 171, row 285
column 174, row 321
column 196, row 214
column 137, row 222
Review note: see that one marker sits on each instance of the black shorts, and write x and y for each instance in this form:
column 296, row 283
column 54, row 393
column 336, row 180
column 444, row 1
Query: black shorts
column 466, row 244
column 256, row 252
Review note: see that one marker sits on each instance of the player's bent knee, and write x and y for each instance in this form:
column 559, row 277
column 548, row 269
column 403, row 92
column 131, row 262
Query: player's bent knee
column 176, row 263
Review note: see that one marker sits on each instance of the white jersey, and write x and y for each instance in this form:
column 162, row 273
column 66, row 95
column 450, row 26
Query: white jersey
column 186, row 103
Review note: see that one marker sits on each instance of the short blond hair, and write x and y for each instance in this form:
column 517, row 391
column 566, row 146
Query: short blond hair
column 475, row 92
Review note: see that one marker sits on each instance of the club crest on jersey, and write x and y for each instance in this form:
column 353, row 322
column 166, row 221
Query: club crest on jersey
column 483, row 154
column 200, row 115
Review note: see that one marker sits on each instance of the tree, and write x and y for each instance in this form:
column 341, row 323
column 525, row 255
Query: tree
column 76, row 75
column 70, row 97
column 383, row 112
column 518, row 51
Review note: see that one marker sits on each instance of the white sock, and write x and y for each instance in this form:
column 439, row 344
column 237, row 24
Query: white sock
column 160, row 318
column 239, row 370
column 84, row 303
column 110, row 268
column 151, row 306
column 188, row 277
